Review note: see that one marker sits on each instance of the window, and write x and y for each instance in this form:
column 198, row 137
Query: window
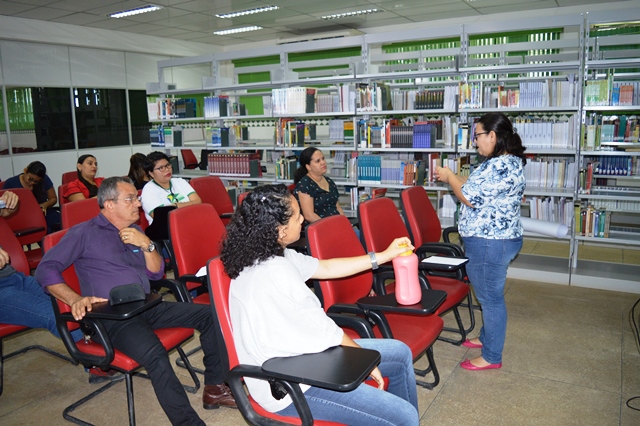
column 101, row 117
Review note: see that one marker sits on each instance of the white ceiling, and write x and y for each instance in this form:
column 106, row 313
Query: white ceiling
column 195, row 20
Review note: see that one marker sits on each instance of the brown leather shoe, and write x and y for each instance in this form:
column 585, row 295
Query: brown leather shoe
column 215, row 396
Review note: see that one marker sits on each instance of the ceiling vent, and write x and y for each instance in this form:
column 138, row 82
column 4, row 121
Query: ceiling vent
column 320, row 36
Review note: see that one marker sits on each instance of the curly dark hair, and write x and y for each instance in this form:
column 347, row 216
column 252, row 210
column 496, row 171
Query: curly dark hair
column 507, row 140
column 252, row 234
column 304, row 160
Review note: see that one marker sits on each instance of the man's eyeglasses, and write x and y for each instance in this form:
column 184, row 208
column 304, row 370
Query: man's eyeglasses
column 163, row 168
column 475, row 137
column 130, row 200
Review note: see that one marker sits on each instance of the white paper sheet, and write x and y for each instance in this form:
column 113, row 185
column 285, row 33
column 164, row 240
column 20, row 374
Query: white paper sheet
column 551, row 229
column 443, row 260
column 202, row 272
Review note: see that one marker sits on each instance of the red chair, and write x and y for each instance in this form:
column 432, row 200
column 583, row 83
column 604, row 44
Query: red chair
column 195, row 235
column 189, row 159
column 62, row 189
column 241, row 197
column 380, row 224
column 212, row 191
column 19, row 262
column 28, row 224
column 98, row 353
column 253, row 413
column 332, row 237
column 425, row 230
column 68, row 177
column 79, row 211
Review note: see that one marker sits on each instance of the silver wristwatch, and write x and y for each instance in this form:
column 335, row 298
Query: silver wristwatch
column 374, row 261
column 152, row 247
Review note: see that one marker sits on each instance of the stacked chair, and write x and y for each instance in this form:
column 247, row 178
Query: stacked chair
column 333, row 237
column 380, row 224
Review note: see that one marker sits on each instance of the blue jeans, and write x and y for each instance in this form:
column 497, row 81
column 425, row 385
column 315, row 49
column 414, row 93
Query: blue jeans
column 367, row 405
column 23, row 302
column 487, row 271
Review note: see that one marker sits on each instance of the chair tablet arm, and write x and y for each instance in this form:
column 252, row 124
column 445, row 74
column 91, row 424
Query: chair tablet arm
column 225, row 215
column 446, row 233
column 345, row 308
column 439, row 248
column 234, row 378
column 27, row 231
column 357, row 324
column 98, row 336
column 176, row 287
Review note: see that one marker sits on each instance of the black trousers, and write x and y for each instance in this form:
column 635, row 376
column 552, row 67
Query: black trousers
column 135, row 338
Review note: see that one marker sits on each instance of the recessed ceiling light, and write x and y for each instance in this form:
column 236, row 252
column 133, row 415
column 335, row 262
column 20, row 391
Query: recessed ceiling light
column 348, row 14
column 237, row 30
column 136, row 11
column 248, row 11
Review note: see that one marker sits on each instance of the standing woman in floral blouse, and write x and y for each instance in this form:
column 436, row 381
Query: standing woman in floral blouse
column 490, row 228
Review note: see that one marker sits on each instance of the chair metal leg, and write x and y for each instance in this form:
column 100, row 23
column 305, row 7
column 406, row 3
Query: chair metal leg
column 67, row 411
column 132, row 412
column 460, row 330
column 23, row 350
column 180, row 363
column 192, row 373
column 432, row 368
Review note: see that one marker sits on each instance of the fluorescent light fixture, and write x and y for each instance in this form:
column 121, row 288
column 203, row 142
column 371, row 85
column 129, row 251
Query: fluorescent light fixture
column 237, row 30
column 348, row 14
column 248, row 11
column 136, row 11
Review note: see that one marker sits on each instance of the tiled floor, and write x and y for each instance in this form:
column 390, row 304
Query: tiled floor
column 570, row 359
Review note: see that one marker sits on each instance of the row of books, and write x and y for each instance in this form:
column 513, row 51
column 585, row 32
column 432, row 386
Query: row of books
column 532, row 94
column 293, row 100
column 551, row 209
column 237, row 165
column 556, row 132
column 286, row 167
column 171, row 108
column 360, row 195
column 616, row 205
column 550, row 173
column 592, row 222
column 610, row 129
column 607, row 93
column 444, row 98
column 615, row 165
column 625, row 94
column 293, row 133
column 393, row 135
column 216, row 106
column 372, row 97
column 216, row 136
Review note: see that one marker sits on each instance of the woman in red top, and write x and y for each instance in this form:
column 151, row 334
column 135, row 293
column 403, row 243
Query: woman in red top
column 86, row 186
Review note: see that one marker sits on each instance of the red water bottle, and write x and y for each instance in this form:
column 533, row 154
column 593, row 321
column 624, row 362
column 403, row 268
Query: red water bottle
column 405, row 267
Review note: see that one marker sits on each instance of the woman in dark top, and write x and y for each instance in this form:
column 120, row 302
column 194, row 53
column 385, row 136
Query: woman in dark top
column 35, row 179
column 317, row 194
column 137, row 171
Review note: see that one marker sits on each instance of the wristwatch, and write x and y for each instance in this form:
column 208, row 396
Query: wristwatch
column 152, row 247
column 374, row 261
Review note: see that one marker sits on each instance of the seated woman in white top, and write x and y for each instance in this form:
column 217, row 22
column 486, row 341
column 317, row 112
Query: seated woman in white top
column 274, row 314
column 163, row 189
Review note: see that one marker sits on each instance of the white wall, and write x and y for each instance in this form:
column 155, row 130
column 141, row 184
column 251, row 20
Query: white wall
column 37, row 64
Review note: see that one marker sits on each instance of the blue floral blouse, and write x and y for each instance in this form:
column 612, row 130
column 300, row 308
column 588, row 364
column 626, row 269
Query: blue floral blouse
column 495, row 190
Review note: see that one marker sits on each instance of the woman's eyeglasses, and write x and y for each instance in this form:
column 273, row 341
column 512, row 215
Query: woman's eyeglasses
column 475, row 137
column 163, row 168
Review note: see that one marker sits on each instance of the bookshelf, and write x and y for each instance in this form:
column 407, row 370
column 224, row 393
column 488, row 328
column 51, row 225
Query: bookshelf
column 545, row 82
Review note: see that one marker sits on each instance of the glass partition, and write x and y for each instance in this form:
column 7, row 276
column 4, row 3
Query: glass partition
column 101, row 117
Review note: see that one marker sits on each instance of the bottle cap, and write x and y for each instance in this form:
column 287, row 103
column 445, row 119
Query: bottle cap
column 406, row 253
